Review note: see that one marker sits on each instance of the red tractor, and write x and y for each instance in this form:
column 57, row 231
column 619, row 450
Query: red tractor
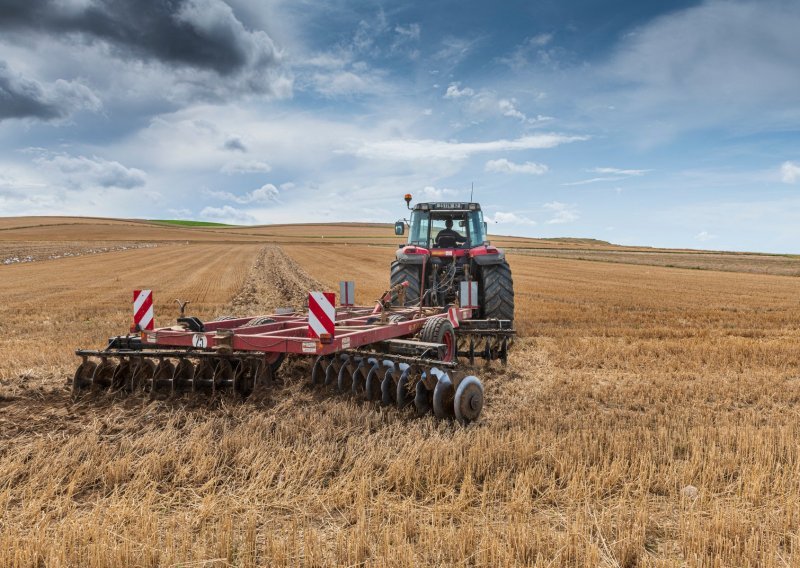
column 447, row 245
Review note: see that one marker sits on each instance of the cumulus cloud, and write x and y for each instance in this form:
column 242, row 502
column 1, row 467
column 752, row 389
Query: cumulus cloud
column 264, row 194
column 508, row 109
column 202, row 34
column 246, row 167
column 441, row 150
column 228, row 214
column 21, row 97
column 430, row 192
column 83, row 172
column 502, row 217
column 505, row 166
column 454, row 92
column 790, row 172
column 561, row 213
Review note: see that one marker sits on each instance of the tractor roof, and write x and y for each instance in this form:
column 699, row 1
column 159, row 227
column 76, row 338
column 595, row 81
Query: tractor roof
column 447, row 206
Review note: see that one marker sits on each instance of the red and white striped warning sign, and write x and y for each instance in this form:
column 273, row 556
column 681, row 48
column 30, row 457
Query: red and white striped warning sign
column 452, row 315
column 143, row 309
column 321, row 313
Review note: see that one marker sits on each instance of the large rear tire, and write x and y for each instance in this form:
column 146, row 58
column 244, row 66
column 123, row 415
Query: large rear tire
column 406, row 272
column 497, row 292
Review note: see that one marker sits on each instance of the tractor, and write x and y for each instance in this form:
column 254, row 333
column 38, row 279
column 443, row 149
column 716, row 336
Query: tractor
column 447, row 245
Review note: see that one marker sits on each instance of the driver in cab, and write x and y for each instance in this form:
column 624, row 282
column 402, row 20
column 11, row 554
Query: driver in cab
column 448, row 238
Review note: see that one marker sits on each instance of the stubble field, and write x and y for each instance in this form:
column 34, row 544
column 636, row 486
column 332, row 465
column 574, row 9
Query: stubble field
column 648, row 417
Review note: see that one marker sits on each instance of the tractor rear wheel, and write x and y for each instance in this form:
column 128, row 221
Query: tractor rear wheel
column 406, row 272
column 497, row 292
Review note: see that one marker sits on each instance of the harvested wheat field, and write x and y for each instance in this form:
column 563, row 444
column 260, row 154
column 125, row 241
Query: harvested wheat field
column 648, row 416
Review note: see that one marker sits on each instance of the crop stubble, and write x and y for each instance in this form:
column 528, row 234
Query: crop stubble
column 628, row 384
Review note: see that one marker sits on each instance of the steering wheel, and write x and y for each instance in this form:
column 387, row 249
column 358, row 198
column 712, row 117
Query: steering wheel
column 446, row 241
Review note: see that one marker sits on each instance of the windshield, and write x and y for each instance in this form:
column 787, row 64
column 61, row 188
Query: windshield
column 467, row 229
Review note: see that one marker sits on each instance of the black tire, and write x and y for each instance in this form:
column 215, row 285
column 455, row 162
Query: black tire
column 497, row 292
column 440, row 330
column 406, row 272
column 224, row 318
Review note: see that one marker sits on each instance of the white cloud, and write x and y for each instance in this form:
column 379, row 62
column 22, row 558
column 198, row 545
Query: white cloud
column 343, row 83
column 790, row 172
column 265, row 194
column 453, row 92
column 228, row 214
column 82, row 172
column 508, row 218
column 704, row 236
column 541, row 40
column 505, row 166
column 508, row 109
column 246, row 167
column 441, row 150
column 561, row 213
column 430, row 192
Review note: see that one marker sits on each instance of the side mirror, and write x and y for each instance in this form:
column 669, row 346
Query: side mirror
column 399, row 228
column 485, row 228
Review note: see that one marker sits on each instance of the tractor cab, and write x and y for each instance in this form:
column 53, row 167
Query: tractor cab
column 446, row 225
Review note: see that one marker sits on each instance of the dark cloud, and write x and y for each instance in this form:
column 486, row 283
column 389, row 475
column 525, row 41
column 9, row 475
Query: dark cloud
column 235, row 144
column 21, row 97
column 204, row 34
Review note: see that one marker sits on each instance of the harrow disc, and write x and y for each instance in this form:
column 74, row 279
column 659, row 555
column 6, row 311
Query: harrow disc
column 121, row 379
column 468, row 400
column 142, row 374
column 358, row 380
column 319, row 370
column 388, row 388
column 372, row 386
column 443, row 394
column 422, row 398
column 102, row 377
column 162, row 377
column 204, row 377
column 183, row 377
column 83, row 376
column 332, row 371
column 346, row 373
column 403, row 396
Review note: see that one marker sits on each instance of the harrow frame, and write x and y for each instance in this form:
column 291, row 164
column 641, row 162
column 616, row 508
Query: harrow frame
column 373, row 353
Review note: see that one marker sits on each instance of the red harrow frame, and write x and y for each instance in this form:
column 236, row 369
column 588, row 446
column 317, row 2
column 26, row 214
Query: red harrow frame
column 392, row 355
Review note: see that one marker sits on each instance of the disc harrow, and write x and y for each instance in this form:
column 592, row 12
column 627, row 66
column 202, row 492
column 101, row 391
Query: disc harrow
column 169, row 374
column 446, row 393
column 405, row 358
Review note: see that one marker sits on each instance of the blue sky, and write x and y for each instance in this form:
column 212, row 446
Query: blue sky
column 672, row 124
